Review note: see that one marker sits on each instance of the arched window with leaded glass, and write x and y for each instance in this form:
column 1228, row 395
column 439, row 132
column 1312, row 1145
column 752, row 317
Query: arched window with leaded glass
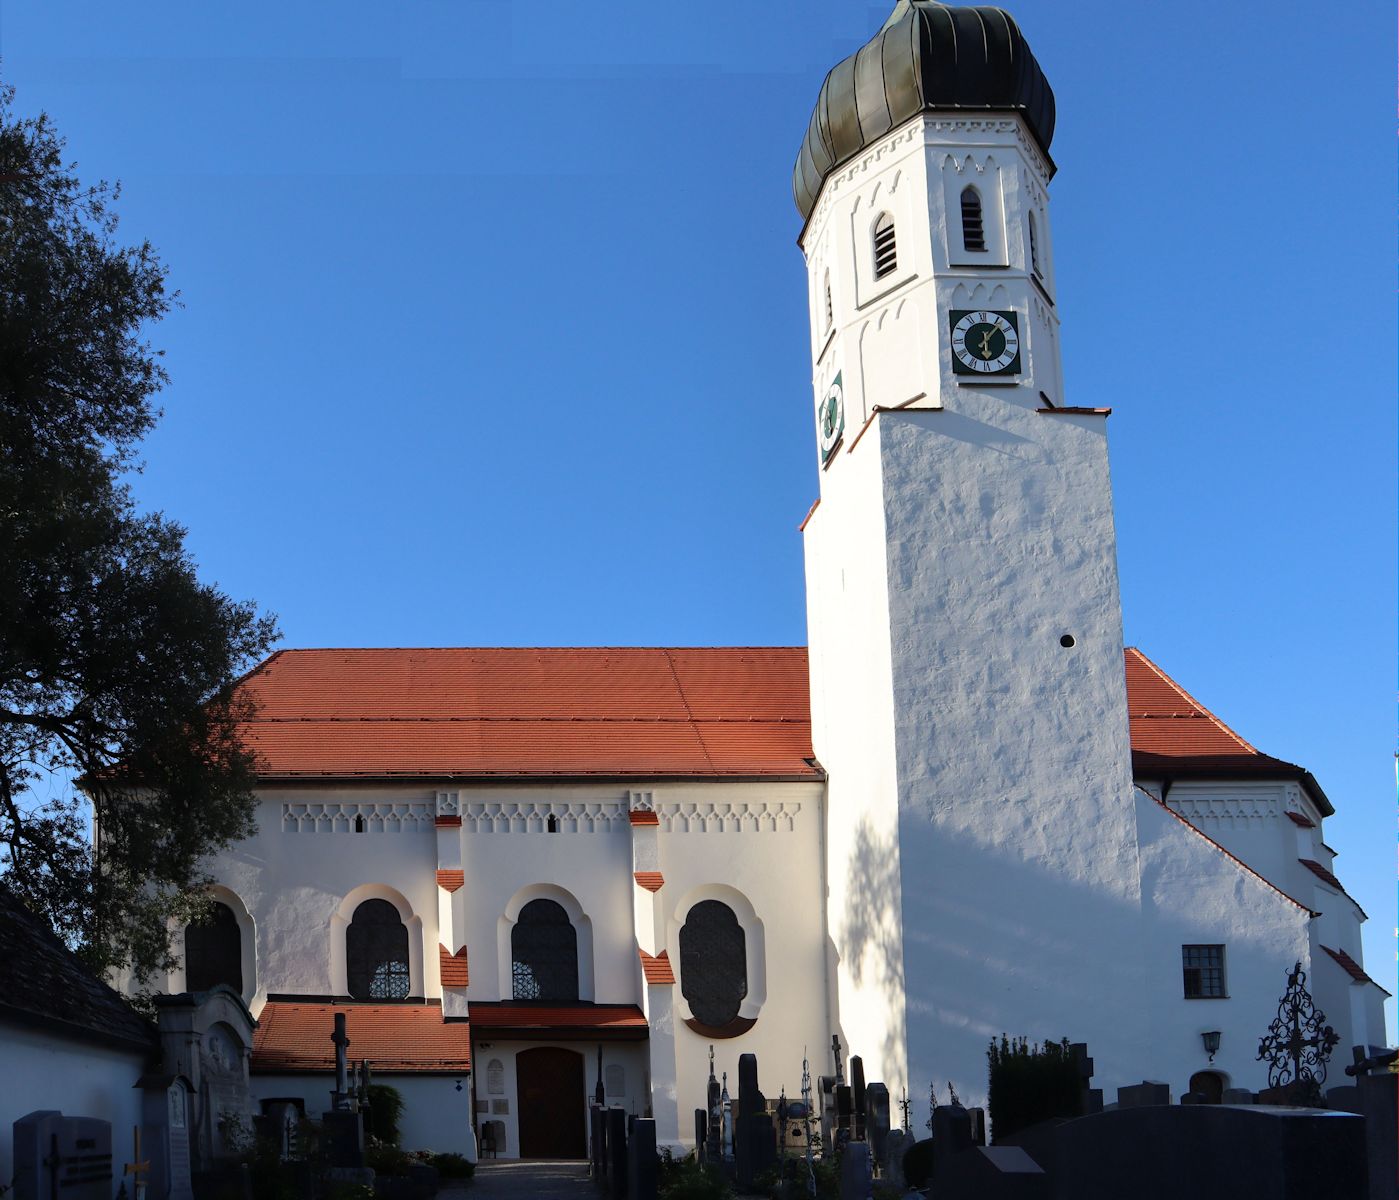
column 544, row 953
column 214, row 951
column 376, row 953
column 713, row 963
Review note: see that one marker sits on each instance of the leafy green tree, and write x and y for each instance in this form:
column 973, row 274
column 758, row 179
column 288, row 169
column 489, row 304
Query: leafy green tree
column 117, row 664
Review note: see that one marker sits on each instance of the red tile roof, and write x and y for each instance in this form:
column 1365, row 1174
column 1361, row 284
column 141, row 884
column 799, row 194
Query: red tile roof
column 1174, row 736
column 628, row 712
column 451, row 881
column 1299, row 819
column 509, row 713
column 652, row 881
column 393, row 1037
column 1321, row 873
column 641, row 816
column 657, row 969
column 1349, row 965
column 453, row 967
column 559, row 1020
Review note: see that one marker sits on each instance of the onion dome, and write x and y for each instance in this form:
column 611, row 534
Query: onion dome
column 927, row 56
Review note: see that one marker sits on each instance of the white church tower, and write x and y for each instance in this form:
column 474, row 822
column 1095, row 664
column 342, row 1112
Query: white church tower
column 968, row 694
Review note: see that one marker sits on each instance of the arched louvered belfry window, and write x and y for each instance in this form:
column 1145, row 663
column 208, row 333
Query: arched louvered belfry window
column 214, row 952
column 713, row 963
column 1035, row 248
column 830, row 308
column 544, row 953
column 376, row 953
column 886, row 252
column 973, row 230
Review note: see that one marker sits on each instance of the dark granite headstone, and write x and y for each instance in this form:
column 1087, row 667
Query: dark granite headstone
column 977, row 1117
column 643, row 1174
column 342, row 1138
column 617, row 1152
column 877, row 1120
column 845, row 1110
column 952, row 1131
column 701, row 1133
column 1237, row 1096
column 1144, row 1094
column 1262, row 1153
column 1379, row 1097
column 992, row 1173
column 895, row 1147
column 857, row 1096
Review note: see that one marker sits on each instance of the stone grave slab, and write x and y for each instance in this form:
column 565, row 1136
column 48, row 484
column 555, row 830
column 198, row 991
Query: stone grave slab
column 62, row 1156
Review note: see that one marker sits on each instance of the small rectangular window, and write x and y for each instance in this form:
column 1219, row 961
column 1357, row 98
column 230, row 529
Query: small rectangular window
column 1203, row 969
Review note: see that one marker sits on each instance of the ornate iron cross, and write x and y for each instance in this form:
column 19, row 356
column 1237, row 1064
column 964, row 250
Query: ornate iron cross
column 1299, row 1042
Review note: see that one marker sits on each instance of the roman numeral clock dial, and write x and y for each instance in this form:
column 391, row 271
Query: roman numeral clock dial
column 984, row 342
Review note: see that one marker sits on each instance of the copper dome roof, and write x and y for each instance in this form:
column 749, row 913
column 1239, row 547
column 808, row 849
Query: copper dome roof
column 927, row 56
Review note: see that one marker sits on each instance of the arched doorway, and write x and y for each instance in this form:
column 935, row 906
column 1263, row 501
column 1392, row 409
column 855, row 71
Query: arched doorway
column 1208, row 1084
column 551, row 1086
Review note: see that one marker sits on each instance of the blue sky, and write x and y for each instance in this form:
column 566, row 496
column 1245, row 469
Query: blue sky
column 493, row 325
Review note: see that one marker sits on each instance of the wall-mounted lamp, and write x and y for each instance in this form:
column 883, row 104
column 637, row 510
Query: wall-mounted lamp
column 1211, row 1040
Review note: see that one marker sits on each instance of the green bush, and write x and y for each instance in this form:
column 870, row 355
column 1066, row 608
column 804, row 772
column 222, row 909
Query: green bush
column 385, row 1111
column 452, row 1166
column 385, row 1159
column 1030, row 1084
column 686, row 1179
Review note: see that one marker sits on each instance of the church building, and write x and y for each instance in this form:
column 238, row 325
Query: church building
column 964, row 809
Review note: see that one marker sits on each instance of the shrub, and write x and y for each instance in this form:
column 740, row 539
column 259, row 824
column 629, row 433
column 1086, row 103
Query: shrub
column 453, row 1166
column 385, row 1159
column 385, row 1111
column 1030, row 1084
column 686, row 1179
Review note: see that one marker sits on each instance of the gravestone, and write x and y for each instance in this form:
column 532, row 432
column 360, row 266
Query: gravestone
column 845, row 1111
column 643, row 1169
column 993, row 1173
column 62, row 1156
column 856, row 1172
column 1379, row 1099
column 616, row 1152
column 1090, row 1099
column 166, row 1112
column 1237, row 1096
column 1144, row 1094
column 895, row 1146
column 952, row 1131
column 826, row 1098
column 857, row 1096
column 755, row 1141
column 877, row 1121
column 1254, row 1151
column 701, row 1134
column 977, row 1119
column 206, row 1038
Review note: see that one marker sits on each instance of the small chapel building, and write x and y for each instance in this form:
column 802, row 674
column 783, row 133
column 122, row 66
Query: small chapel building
column 528, row 876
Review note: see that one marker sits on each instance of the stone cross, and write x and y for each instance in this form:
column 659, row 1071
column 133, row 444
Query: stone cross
column 342, row 1082
column 138, row 1169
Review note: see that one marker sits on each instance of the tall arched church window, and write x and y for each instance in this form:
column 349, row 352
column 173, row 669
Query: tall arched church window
column 376, row 953
column 1035, row 248
column 544, row 953
column 713, row 963
column 830, row 308
column 886, row 252
column 214, row 951
column 973, row 230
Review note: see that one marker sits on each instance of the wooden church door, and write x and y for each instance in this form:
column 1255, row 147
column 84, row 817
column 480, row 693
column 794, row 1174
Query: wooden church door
column 551, row 1086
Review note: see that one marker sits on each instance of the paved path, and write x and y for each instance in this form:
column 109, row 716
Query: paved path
column 508, row 1180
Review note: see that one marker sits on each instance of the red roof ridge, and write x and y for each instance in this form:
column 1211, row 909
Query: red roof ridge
column 1166, row 679
column 656, row 968
column 1328, row 877
column 1227, row 854
column 524, row 649
column 1351, row 967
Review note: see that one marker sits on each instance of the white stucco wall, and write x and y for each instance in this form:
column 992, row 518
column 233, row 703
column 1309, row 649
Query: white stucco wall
column 79, row 1079
column 436, row 1116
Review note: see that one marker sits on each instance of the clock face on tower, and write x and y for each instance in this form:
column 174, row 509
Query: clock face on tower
column 830, row 419
column 984, row 342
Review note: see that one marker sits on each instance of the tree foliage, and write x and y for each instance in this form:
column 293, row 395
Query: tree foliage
column 1031, row 1083
column 117, row 664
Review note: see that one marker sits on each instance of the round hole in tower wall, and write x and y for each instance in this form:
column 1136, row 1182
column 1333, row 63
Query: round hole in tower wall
column 1067, row 641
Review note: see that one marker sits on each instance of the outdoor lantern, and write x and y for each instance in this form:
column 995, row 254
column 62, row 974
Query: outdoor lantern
column 1211, row 1040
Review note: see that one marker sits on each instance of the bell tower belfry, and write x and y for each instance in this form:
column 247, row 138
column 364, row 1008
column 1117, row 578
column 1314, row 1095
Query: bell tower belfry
column 968, row 692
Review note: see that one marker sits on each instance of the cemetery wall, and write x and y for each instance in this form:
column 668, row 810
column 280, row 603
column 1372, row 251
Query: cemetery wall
column 1192, row 893
column 78, row 1078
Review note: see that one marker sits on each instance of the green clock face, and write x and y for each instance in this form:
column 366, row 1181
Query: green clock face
column 830, row 418
column 984, row 342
